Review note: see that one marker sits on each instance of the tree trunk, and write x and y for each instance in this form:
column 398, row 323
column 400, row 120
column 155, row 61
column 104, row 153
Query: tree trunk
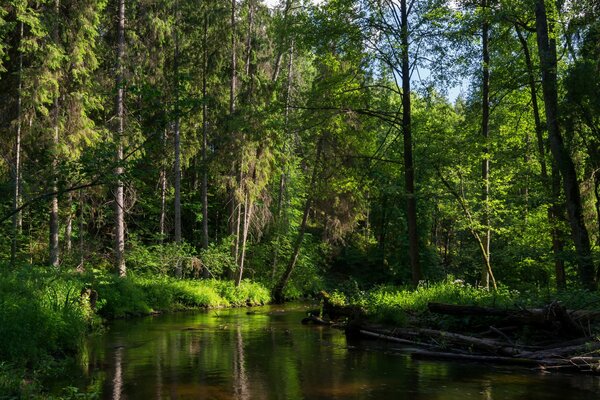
column 281, row 284
column 409, row 171
column 554, row 208
column 249, row 36
column 176, row 137
column 247, row 218
column 54, row 250
column 120, row 111
column 232, row 82
column 555, row 215
column 282, row 178
column 163, row 191
column 69, row 224
column 234, row 218
column 485, row 162
column 277, row 67
column 548, row 60
column 81, row 266
column 17, row 221
column 205, row 138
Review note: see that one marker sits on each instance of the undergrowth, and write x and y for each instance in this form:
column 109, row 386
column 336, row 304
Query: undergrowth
column 396, row 305
column 44, row 318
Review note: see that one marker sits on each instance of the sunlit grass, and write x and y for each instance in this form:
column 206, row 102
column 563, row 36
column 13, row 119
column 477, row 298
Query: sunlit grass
column 394, row 304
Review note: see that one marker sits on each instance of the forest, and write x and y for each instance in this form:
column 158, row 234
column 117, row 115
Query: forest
column 169, row 154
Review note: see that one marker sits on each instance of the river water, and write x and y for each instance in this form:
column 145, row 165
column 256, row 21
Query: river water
column 266, row 353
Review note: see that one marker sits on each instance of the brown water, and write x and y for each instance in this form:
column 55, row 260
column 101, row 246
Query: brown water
column 228, row 354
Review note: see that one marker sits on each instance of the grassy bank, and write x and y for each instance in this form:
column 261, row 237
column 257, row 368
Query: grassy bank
column 44, row 318
column 402, row 305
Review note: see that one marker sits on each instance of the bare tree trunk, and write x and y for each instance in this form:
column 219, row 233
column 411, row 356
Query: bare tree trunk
column 177, row 138
column 282, row 178
column 69, row 224
column 17, row 221
column 409, row 170
column 233, row 81
column 54, row 249
column 205, row 138
column 248, row 207
column 163, row 191
column 249, row 36
column 277, row 67
column 548, row 60
column 120, row 110
column 81, row 266
column 283, row 280
column 234, row 219
column 551, row 185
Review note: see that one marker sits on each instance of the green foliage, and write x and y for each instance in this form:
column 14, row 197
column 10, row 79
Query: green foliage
column 393, row 305
column 42, row 315
column 218, row 259
column 159, row 259
column 140, row 295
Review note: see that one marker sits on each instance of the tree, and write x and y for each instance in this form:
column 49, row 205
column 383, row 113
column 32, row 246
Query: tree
column 119, row 194
column 548, row 61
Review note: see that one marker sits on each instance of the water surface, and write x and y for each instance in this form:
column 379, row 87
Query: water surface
column 229, row 354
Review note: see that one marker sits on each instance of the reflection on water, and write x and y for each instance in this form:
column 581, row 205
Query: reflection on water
column 228, row 354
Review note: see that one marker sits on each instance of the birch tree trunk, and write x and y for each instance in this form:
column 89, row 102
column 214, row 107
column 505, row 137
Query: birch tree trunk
column 234, row 217
column 17, row 221
column 53, row 239
column 120, row 111
column 69, row 224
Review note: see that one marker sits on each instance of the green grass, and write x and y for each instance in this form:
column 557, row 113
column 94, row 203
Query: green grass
column 44, row 319
column 396, row 305
column 138, row 295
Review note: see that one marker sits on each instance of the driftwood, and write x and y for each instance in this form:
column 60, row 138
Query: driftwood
column 554, row 316
column 313, row 319
column 564, row 341
column 395, row 339
column 436, row 355
column 442, row 345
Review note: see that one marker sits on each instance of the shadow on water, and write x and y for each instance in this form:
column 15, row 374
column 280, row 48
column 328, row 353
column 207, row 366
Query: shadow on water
column 268, row 354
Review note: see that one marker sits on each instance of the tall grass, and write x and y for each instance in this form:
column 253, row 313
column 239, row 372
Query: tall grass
column 397, row 305
column 138, row 295
column 44, row 318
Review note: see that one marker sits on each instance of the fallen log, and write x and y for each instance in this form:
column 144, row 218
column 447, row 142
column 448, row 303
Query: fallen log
column 394, row 339
column 428, row 335
column 313, row 319
column 434, row 355
column 585, row 348
column 554, row 315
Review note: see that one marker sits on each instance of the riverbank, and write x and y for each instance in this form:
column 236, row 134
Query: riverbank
column 449, row 320
column 45, row 315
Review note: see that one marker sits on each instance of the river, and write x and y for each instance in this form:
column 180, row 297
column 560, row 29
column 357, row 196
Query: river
column 266, row 353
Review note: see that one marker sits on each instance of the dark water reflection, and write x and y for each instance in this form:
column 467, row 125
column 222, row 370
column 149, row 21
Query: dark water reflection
column 227, row 354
